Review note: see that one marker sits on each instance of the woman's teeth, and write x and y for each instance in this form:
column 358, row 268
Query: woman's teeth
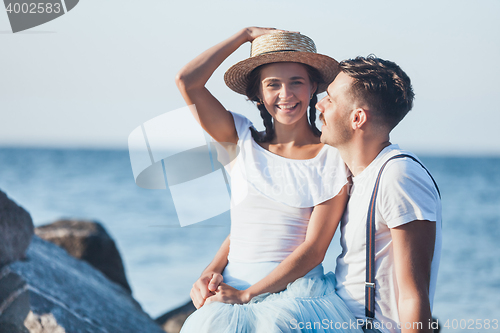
column 287, row 107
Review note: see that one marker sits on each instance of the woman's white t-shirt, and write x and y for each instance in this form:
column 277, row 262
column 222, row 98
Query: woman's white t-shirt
column 272, row 197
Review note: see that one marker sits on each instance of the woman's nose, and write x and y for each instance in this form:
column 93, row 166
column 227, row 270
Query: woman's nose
column 285, row 91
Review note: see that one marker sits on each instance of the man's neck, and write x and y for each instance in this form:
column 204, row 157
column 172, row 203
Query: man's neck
column 359, row 154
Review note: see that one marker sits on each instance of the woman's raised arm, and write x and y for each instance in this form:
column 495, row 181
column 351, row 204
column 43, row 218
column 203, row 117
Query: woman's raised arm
column 191, row 80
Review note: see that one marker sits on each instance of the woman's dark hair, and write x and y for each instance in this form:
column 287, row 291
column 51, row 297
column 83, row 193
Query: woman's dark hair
column 252, row 94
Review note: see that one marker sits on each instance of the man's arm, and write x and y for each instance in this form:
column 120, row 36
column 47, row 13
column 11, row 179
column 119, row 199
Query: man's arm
column 413, row 245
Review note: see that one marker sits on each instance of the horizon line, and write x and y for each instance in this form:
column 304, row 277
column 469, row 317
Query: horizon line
column 124, row 148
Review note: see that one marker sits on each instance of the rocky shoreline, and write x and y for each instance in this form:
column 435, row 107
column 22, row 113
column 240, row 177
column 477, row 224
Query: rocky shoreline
column 67, row 276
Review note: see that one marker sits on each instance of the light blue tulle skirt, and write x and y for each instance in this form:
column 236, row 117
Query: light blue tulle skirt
column 308, row 304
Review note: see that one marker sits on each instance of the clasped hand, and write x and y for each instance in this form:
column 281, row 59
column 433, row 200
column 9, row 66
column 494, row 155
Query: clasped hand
column 210, row 288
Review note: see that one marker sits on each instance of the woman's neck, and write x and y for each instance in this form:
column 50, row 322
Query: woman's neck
column 294, row 135
column 295, row 141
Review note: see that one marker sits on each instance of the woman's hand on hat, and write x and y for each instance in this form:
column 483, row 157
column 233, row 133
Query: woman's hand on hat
column 254, row 32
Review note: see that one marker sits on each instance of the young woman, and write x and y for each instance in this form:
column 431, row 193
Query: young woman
column 288, row 191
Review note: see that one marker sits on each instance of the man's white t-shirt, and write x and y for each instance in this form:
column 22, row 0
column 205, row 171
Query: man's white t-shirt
column 406, row 193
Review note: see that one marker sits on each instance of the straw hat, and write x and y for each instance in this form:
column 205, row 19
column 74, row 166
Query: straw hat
column 281, row 47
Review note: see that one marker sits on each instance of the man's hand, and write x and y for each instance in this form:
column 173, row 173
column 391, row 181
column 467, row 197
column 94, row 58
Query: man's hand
column 205, row 287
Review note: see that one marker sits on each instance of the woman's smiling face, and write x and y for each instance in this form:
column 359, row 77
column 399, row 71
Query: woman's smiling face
column 285, row 89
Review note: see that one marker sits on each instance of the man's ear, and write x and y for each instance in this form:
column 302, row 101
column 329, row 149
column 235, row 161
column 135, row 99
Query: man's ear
column 358, row 118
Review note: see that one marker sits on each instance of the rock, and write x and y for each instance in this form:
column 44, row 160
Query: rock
column 45, row 323
column 10, row 328
column 69, row 295
column 16, row 230
column 89, row 241
column 172, row 321
column 14, row 301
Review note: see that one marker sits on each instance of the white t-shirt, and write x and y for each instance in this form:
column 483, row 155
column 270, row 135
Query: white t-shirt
column 272, row 197
column 406, row 193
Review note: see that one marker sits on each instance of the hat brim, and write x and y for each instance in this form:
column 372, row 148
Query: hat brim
column 236, row 77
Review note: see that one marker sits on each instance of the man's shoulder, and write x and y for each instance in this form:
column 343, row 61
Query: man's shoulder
column 401, row 164
column 405, row 172
column 403, row 167
column 407, row 191
column 394, row 150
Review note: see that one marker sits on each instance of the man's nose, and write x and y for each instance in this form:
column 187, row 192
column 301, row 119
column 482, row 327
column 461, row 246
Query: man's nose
column 319, row 106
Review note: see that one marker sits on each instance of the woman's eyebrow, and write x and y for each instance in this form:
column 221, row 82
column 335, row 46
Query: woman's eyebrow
column 270, row 79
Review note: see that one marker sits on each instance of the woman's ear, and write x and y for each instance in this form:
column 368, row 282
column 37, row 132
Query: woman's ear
column 314, row 89
column 259, row 97
column 260, row 94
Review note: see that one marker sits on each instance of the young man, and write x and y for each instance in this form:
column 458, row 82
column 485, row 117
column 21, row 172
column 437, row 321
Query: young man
column 365, row 102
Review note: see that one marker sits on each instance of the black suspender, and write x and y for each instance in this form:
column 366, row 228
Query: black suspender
column 370, row 241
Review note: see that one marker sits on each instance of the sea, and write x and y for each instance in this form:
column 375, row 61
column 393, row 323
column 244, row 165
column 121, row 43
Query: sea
column 163, row 259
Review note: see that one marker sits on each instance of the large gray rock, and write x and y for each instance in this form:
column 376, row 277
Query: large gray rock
column 89, row 241
column 16, row 229
column 14, row 301
column 172, row 321
column 69, row 295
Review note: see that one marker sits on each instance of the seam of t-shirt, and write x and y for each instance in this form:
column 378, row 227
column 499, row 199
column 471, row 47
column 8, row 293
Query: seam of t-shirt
column 410, row 217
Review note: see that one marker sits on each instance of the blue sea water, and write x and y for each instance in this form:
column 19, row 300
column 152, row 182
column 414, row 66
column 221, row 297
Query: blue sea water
column 162, row 260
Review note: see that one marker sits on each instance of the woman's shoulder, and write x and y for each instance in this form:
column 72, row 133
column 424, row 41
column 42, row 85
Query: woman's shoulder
column 242, row 124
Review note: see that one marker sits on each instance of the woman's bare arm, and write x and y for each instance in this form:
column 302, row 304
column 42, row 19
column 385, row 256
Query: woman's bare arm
column 211, row 277
column 322, row 225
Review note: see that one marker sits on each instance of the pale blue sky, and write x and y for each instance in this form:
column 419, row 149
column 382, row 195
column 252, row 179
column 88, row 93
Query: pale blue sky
column 88, row 78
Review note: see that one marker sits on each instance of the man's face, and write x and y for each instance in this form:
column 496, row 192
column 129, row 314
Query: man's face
column 335, row 112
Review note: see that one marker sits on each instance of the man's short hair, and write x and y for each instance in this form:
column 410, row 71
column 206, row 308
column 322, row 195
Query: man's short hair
column 382, row 85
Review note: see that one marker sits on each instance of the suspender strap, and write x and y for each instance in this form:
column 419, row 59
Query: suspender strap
column 370, row 241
